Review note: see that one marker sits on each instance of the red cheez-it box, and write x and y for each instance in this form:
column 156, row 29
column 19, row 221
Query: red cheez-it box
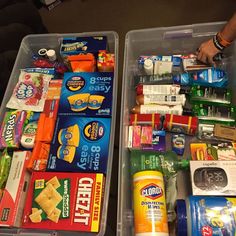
column 62, row 201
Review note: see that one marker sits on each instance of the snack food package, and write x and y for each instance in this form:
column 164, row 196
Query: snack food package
column 80, row 144
column 59, row 201
column 81, row 45
column 11, row 129
column 31, row 90
column 5, row 164
column 87, row 94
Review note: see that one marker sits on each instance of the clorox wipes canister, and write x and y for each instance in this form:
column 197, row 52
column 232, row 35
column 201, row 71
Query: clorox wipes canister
column 150, row 217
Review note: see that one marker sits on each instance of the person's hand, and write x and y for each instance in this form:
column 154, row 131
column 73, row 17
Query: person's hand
column 207, row 51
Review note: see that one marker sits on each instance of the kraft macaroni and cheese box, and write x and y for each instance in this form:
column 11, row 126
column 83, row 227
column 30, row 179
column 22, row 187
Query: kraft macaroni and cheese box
column 78, row 45
column 80, row 144
column 87, row 94
column 64, row 201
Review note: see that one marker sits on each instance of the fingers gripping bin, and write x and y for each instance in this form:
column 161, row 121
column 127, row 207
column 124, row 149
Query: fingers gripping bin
column 30, row 46
column 157, row 41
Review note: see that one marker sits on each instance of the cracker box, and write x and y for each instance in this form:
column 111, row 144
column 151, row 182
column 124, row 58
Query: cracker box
column 14, row 194
column 78, row 45
column 87, row 94
column 64, row 201
column 213, row 178
column 80, row 144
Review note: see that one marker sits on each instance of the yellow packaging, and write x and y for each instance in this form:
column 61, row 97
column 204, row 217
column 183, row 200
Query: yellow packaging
column 79, row 102
column 69, row 136
column 66, row 153
column 95, row 102
column 150, row 217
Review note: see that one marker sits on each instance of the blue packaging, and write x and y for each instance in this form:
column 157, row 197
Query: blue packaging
column 80, row 144
column 87, row 94
column 177, row 60
column 210, row 77
column 78, row 45
column 213, row 216
column 178, row 143
column 158, row 141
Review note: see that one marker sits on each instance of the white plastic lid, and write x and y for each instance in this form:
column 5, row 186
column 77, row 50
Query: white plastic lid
column 148, row 64
column 51, row 54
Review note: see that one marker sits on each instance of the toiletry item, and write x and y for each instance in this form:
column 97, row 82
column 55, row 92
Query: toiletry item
column 161, row 99
column 161, row 109
column 158, row 89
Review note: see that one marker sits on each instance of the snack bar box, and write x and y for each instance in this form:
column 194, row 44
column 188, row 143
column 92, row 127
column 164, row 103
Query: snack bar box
column 29, row 47
column 156, row 41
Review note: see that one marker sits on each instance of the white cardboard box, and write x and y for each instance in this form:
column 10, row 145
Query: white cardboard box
column 213, row 177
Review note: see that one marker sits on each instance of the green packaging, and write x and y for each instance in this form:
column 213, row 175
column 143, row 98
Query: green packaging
column 166, row 162
column 210, row 95
column 5, row 164
column 212, row 114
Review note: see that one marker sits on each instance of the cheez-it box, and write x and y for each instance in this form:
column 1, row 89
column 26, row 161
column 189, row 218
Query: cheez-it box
column 59, row 201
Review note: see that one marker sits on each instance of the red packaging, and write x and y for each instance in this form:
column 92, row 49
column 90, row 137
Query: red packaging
column 64, row 201
column 14, row 194
column 181, row 124
column 147, row 119
column 137, row 136
column 139, row 89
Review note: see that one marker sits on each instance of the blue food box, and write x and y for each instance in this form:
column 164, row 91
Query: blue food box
column 78, row 45
column 80, row 144
column 87, row 94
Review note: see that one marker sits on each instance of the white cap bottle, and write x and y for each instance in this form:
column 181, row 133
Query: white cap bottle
column 148, row 66
column 51, row 54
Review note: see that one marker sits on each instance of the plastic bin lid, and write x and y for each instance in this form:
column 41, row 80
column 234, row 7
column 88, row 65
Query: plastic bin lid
column 181, row 218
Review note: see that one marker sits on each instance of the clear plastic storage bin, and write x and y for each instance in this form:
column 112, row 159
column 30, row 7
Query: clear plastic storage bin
column 157, row 41
column 29, row 46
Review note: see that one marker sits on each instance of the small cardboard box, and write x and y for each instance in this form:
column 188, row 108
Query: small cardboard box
column 87, row 94
column 213, row 177
column 75, row 201
column 14, row 194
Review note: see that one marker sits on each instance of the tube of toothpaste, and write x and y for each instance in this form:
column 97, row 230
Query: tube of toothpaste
column 211, row 77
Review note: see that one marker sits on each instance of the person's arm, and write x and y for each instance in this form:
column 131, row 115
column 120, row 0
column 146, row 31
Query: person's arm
column 223, row 39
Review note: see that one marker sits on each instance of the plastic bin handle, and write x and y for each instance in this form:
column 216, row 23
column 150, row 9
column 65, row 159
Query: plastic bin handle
column 186, row 33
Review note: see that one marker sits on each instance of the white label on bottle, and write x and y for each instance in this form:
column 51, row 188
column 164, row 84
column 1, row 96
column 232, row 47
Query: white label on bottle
column 209, row 75
column 163, row 67
column 163, row 99
column 162, row 110
column 161, row 89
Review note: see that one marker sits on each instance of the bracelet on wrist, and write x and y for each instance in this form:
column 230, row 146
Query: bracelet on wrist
column 217, row 44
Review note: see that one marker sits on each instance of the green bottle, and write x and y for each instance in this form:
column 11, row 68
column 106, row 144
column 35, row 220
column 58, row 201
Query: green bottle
column 166, row 162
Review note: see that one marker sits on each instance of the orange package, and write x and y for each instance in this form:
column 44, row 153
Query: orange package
column 45, row 128
column 39, row 157
column 82, row 62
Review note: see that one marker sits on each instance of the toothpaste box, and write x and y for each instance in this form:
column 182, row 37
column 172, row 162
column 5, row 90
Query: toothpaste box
column 14, row 194
column 64, row 201
column 213, row 178
column 87, row 94
column 80, row 144
column 78, row 45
